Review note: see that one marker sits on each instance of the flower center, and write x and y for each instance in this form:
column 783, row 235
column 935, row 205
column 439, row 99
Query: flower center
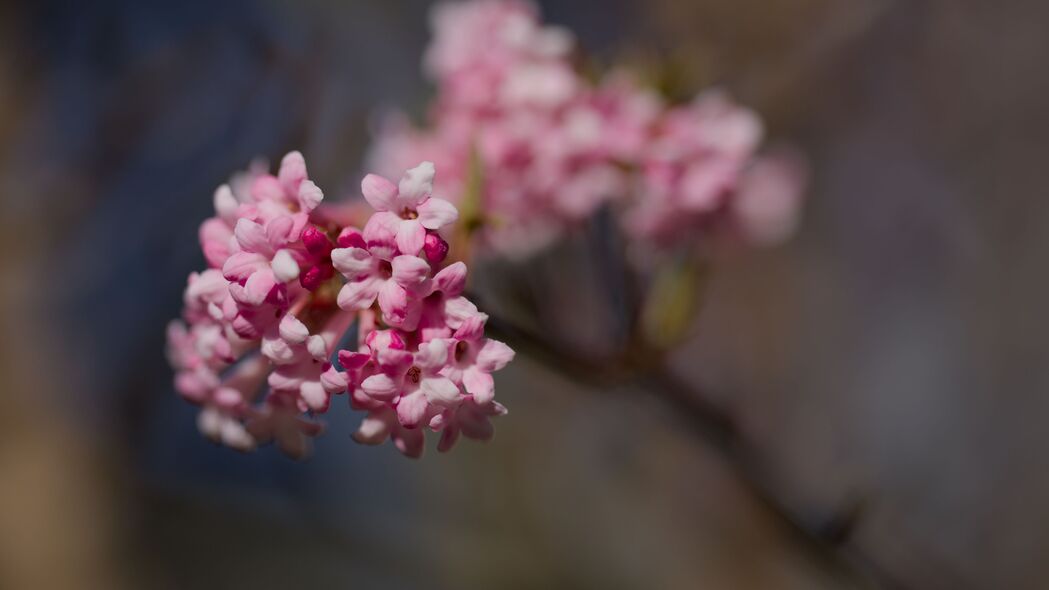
column 414, row 374
column 409, row 214
column 460, row 350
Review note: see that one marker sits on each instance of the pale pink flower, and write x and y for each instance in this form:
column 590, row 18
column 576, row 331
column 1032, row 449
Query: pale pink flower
column 382, row 423
column 413, row 382
column 470, row 418
column 279, row 419
column 472, row 359
column 408, row 209
column 398, row 285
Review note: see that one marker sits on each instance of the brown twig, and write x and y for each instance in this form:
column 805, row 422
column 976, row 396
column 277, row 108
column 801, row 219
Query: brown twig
column 825, row 540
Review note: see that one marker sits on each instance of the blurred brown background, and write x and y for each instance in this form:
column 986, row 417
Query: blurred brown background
column 888, row 362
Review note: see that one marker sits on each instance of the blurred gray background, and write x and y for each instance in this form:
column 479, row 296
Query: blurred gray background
column 887, row 363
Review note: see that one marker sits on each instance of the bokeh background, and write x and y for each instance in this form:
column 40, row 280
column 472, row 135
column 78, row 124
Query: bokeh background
column 888, row 364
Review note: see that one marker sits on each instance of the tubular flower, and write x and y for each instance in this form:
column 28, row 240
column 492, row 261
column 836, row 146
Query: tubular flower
column 258, row 344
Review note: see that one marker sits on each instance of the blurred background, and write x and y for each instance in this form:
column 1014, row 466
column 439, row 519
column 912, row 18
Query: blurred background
column 888, row 364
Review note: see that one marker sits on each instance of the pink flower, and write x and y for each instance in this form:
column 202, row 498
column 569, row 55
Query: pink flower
column 473, row 358
column 408, row 209
column 444, row 308
column 397, row 285
column 414, row 382
column 470, row 418
column 382, row 423
column 279, row 419
column 302, row 361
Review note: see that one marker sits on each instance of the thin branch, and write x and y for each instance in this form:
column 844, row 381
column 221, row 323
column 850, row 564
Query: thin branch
column 825, row 540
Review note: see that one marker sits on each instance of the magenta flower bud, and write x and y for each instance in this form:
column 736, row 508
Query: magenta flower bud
column 351, row 237
column 435, row 248
column 316, row 242
column 311, row 279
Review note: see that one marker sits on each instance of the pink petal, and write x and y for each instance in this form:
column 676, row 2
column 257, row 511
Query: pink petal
column 315, row 396
column 440, row 391
column 394, row 361
column 437, row 213
column 380, row 193
column 292, row 330
column 292, row 171
column 359, row 295
column 352, row 361
column 266, row 187
column 410, row 271
column 415, row 186
column 317, row 347
column 242, row 265
column 209, row 285
column 252, row 237
column 381, row 387
column 411, row 409
column 451, row 280
column 214, row 236
column 410, row 236
column 353, row 263
column 409, row 442
column 432, row 355
column 279, row 231
column 281, row 381
column 457, row 310
column 380, row 234
column 479, row 384
column 334, row 381
column 472, row 328
column 277, row 350
column 373, row 431
column 226, row 204
column 258, row 287
column 494, row 355
column 393, row 301
column 310, row 196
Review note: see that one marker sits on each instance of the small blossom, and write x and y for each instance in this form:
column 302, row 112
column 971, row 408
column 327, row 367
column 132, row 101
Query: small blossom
column 409, row 207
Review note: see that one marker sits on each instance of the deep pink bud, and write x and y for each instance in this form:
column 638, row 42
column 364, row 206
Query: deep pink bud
column 311, row 279
column 351, row 237
column 435, row 248
column 316, row 242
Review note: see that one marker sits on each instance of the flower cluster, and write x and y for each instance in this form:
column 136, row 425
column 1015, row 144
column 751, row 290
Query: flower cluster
column 552, row 148
column 262, row 325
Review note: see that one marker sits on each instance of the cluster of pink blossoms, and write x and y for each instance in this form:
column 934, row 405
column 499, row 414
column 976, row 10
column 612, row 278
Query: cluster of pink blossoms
column 262, row 325
column 552, row 148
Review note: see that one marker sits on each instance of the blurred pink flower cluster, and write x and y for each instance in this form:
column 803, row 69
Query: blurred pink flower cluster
column 549, row 148
column 262, row 325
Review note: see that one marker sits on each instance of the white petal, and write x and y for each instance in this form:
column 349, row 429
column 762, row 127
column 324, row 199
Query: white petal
column 353, row 262
column 381, row 387
column 408, row 271
column 437, row 213
column 380, row 193
column 309, row 196
column 410, row 236
column 415, row 185
column 292, row 330
column 440, row 390
column 284, row 266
